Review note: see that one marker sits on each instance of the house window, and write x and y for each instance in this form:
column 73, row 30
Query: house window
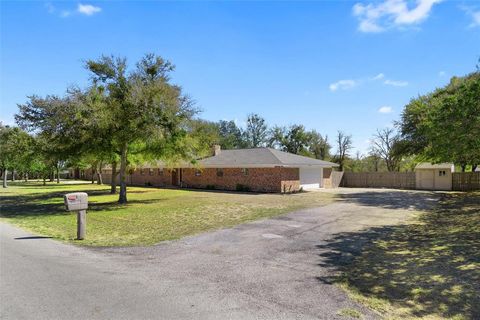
column 442, row 173
column 142, row 172
column 219, row 172
column 150, row 171
column 160, row 171
column 245, row 171
column 198, row 173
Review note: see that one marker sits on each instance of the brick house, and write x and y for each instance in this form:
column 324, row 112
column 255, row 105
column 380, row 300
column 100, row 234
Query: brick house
column 255, row 169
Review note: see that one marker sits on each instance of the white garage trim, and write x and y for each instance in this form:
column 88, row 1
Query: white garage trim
column 311, row 177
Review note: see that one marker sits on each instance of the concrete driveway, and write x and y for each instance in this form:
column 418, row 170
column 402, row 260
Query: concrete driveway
column 269, row 269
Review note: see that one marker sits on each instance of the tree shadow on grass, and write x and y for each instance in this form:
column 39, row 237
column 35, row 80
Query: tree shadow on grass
column 428, row 268
column 38, row 184
column 34, row 204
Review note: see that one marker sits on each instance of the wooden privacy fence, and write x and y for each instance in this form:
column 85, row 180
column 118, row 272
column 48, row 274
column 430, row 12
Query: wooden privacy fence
column 394, row 180
column 466, row 181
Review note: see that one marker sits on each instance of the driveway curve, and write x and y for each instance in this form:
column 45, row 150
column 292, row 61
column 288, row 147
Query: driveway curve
column 268, row 269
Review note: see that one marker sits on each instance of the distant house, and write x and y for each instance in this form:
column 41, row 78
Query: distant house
column 434, row 176
column 255, row 169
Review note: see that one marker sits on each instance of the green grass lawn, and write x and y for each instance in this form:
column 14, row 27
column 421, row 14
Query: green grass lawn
column 429, row 269
column 152, row 215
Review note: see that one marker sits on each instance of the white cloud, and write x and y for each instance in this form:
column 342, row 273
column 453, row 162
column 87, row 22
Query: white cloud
column 88, row 9
column 476, row 19
column 347, row 84
column 85, row 9
column 388, row 14
column 343, row 85
column 442, row 74
column 385, row 109
column 395, row 83
column 370, row 27
column 474, row 14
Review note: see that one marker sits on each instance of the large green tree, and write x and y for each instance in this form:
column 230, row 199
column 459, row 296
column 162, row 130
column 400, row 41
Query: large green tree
column 318, row 145
column 61, row 123
column 15, row 151
column 101, row 148
column 203, row 135
column 444, row 126
column 294, row 139
column 231, row 136
column 256, row 133
column 143, row 108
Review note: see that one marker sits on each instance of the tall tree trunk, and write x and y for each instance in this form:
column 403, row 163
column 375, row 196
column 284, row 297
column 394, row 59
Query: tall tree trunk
column 44, row 181
column 13, row 174
column 25, row 176
column 122, row 198
column 464, row 167
column 5, row 172
column 474, row 167
column 93, row 174
column 99, row 174
column 52, row 176
column 113, row 182
column 58, row 174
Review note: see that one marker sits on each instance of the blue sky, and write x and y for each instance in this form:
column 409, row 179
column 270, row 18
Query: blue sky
column 329, row 65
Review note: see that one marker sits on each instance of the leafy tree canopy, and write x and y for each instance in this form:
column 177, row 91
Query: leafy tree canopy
column 444, row 126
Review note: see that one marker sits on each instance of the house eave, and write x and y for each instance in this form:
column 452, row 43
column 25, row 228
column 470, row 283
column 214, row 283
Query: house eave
column 224, row 166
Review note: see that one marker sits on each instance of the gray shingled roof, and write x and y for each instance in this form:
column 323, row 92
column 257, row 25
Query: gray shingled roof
column 261, row 157
column 428, row 165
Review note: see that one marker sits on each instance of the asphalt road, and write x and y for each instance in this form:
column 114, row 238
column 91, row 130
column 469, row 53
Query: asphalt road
column 272, row 269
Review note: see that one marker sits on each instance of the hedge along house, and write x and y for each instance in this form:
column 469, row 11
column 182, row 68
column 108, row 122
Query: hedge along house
column 256, row 169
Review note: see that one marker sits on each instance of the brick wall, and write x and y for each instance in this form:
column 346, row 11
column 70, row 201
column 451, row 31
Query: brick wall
column 327, row 177
column 151, row 177
column 139, row 177
column 257, row 179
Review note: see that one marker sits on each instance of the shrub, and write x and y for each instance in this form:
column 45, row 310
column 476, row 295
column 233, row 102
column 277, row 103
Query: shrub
column 242, row 187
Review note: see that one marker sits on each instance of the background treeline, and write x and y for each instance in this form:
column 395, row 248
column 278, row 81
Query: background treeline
column 257, row 133
column 130, row 115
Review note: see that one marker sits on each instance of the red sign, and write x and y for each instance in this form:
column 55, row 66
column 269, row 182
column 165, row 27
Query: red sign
column 72, row 198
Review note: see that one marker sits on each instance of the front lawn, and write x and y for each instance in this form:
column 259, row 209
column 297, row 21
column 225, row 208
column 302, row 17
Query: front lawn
column 152, row 215
column 429, row 269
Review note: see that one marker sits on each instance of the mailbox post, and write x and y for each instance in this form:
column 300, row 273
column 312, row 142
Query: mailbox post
column 78, row 201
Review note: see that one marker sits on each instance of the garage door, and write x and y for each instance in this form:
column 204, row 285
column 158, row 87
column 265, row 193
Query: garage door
column 311, row 178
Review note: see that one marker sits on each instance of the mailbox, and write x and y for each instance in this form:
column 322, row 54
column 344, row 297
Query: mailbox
column 76, row 201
